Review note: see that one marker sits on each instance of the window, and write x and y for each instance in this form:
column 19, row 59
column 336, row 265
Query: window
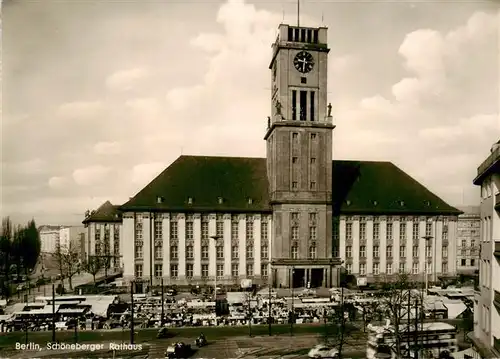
column 294, row 185
column 428, row 267
column 158, row 252
column 219, row 228
column 249, row 252
column 312, row 252
column 312, row 233
column 303, row 105
column 428, row 229
column 444, row 252
column 249, row 229
column 313, row 136
column 138, row 270
column 376, row 251
column 376, row 268
column 189, row 252
column 174, row 270
column 414, row 268
column 158, row 229
column 376, row 231
column 294, row 106
column 464, row 243
column 138, row 252
column 250, row 269
column 362, row 251
column 234, row 230
column 264, row 252
column 389, row 231
column 138, row 232
column 294, row 159
column 235, row 252
column 204, row 252
column 473, row 262
column 204, row 229
column 220, row 270
column 415, row 251
column 389, row 251
column 219, row 250
column 312, row 186
column 463, row 262
column 362, row 269
column 313, row 160
column 295, row 216
column 348, row 268
column 189, row 230
column 158, row 270
column 189, row 270
column 402, row 268
column 402, row 251
column 234, row 270
column 445, row 267
column 312, row 104
column 173, row 230
column 295, row 252
column 295, row 233
column 303, row 80
column 416, row 231
column 264, row 231
column 348, row 231
column 388, row 268
column 173, row 252
column 445, row 236
column 362, row 231
column 428, row 251
column 348, row 251
column 204, row 270
column 264, row 270
column 402, row 231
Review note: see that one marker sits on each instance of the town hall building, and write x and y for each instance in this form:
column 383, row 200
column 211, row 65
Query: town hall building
column 290, row 219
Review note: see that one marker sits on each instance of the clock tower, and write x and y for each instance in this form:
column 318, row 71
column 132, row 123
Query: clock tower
column 299, row 160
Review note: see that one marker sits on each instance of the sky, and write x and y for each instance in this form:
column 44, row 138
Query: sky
column 100, row 96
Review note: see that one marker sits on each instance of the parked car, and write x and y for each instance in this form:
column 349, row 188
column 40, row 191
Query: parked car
column 323, row 351
column 179, row 350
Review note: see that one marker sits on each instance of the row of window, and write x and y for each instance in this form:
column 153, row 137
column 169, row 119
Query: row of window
column 219, row 252
column 189, row 229
column 463, row 262
column 389, row 231
column 389, row 251
column 174, row 270
column 389, row 270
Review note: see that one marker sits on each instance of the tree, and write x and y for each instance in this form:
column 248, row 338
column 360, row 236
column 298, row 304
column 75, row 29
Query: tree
column 93, row 265
column 5, row 256
column 369, row 312
column 59, row 257
column 397, row 304
column 247, row 305
column 31, row 245
column 71, row 263
column 467, row 317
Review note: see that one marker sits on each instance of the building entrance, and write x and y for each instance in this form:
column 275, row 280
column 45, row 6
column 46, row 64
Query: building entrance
column 317, row 275
column 298, row 277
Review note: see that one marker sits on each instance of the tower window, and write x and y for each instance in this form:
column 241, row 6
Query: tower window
column 315, row 37
column 294, row 105
column 295, row 135
column 313, row 136
column 294, row 185
column 309, row 35
column 312, row 185
column 303, row 35
column 297, row 34
column 303, row 80
column 290, row 34
column 303, row 105
column 313, row 160
column 294, row 159
column 313, row 114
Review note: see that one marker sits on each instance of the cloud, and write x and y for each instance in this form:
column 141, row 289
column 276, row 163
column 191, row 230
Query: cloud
column 145, row 172
column 124, row 80
column 107, row 148
column 58, row 182
column 33, row 166
column 90, row 175
column 79, row 109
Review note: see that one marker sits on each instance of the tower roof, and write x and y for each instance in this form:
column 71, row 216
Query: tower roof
column 107, row 212
column 239, row 184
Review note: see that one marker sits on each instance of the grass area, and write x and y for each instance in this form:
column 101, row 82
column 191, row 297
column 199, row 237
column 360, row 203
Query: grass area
column 8, row 340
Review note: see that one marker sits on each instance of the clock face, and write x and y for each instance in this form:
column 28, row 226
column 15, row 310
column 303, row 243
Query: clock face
column 303, row 62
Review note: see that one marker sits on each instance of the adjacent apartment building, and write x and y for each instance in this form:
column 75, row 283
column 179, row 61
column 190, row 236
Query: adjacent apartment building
column 486, row 335
column 468, row 239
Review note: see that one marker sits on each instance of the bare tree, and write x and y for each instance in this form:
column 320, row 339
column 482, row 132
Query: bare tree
column 370, row 310
column 337, row 327
column 93, row 265
column 68, row 261
column 397, row 304
column 247, row 305
column 59, row 257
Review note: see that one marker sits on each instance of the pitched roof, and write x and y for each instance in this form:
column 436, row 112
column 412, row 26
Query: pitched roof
column 105, row 213
column 358, row 187
column 203, row 180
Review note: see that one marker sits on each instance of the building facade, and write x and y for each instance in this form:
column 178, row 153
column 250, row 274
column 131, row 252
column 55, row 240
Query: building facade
column 468, row 239
column 103, row 235
column 289, row 219
column 49, row 238
column 486, row 335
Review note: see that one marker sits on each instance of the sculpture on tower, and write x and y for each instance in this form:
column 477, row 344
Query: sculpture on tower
column 278, row 109
column 268, row 122
column 329, row 110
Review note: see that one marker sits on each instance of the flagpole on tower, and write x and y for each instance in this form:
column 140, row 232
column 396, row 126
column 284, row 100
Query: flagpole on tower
column 298, row 13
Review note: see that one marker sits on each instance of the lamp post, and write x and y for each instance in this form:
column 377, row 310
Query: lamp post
column 215, row 239
column 293, row 299
column 270, row 297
